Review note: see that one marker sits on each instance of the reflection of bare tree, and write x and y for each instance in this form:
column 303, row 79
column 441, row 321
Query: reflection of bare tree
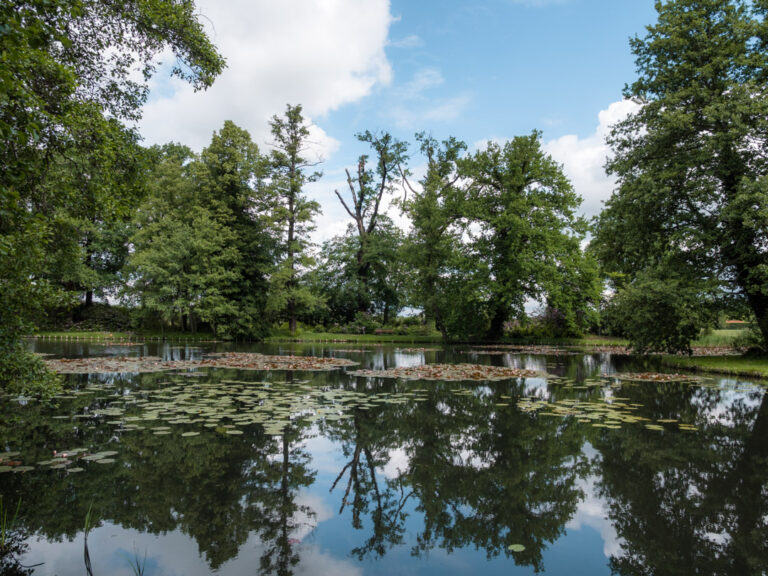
column 481, row 475
column 365, row 495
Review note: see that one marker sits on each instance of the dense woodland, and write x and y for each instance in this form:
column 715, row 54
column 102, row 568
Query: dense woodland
column 221, row 240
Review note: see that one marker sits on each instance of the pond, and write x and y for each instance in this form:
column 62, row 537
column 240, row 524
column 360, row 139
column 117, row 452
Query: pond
column 232, row 463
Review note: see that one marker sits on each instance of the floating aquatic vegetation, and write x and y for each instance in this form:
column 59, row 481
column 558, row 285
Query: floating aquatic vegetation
column 62, row 460
column 611, row 413
column 449, row 372
column 109, row 364
column 237, row 360
column 254, row 361
column 518, row 349
column 516, row 547
column 418, row 350
column 653, row 377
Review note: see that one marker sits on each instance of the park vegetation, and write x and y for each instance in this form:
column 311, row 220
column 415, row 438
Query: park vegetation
column 219, row 240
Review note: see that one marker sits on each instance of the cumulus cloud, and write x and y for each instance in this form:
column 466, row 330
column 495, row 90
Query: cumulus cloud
column 318, row 53
column 583, row 159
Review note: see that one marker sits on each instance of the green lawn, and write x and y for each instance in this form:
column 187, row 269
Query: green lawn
column 720, row 337
column 121, row 336
column 304, row 336
column 733, row 365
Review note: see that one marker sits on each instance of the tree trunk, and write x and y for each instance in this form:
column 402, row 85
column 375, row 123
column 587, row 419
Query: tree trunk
column 759, row 304
column 88, row 298
column 496, row 331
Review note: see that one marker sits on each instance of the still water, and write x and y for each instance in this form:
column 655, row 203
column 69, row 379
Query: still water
column 218, row 470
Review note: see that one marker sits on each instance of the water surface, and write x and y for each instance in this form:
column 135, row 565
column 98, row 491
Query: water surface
column 245, row 472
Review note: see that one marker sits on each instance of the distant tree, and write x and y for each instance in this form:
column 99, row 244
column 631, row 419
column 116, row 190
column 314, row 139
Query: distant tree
column 97, row 182
column 528, row 234
column 434, row 207
column 293, row 214
column 337, row 281
column 692, row 194
column 230, row 177
column 184, row 263
column 367, row 189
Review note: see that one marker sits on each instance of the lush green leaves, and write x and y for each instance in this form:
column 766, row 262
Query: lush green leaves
column 690, row 163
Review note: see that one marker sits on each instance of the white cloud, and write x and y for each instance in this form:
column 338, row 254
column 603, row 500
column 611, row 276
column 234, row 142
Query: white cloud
column 412, row 107
column 583, row 159
column 412, row 41
column 422, row 80
column 318, row 53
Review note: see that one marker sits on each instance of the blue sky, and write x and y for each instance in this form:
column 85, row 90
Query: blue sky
column 482, row 70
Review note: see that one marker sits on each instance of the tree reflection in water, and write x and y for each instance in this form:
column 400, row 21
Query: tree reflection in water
column 473, row 471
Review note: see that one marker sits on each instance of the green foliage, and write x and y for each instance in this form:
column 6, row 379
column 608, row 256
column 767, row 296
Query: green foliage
column 293, row 215
column 690, row 164
column 337, row 280
column 659, row 312
column 528, row 233
column 434, row 210
column 203, row 243
column 367, row 189
column 66, row 85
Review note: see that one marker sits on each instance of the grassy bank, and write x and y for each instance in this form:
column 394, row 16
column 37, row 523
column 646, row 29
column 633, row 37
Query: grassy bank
column 105, row 336
column 285, row 336
column 748, row 367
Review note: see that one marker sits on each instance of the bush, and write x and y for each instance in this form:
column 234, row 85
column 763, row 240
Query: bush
column 659, row 313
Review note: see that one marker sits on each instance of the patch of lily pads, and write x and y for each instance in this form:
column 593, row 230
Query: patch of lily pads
column 417, row 350
column 519, row 349
column 61, row 460
column 612, row 413
column 450, row 373
column 236, row 360
column 228, row 406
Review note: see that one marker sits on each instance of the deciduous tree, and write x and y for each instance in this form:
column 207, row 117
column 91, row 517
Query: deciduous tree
column 691, row 164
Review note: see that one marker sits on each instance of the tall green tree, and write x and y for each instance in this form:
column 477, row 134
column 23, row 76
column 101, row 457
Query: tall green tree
column 691, row 166
column 64, row 61
column 527, row 231
column 367, row 188
column 434, row 207
column 230, row 177
column 184, row 263
column 294, row 214
column 97, row 183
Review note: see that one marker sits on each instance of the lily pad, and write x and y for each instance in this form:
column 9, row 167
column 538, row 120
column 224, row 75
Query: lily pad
column 516, row 547
column 450, row 372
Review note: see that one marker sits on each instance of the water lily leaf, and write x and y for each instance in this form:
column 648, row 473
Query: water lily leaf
column 516, row 547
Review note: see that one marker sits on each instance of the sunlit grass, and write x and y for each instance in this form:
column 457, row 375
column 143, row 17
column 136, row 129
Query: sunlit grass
column 734, row 365
column 720, row 337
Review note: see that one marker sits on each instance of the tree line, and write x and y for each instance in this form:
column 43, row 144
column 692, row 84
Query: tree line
column 221, row 239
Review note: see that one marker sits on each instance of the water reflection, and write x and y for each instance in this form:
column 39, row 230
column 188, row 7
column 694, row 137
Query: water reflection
column 443, row 482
